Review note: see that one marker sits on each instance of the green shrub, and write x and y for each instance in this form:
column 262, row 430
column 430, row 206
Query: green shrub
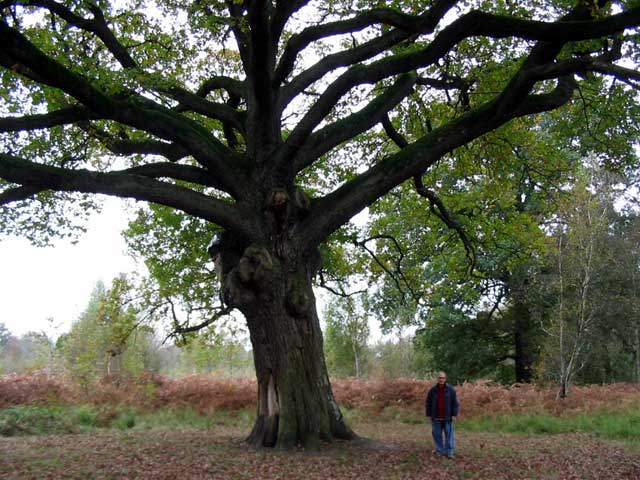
column 125, row 419
column 34, row 420
column 85, row 416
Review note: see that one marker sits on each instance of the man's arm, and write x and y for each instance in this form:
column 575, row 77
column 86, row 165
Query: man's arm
column 455, row 406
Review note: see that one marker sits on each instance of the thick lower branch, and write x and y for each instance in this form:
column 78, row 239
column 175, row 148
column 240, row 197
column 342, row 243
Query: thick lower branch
column 63, row 116
column 124, row 185
column 186, row 173
column 329, row 213
column 20, row 54
column 18, row 193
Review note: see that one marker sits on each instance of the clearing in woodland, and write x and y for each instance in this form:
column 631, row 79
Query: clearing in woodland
column 396, row 450
column 195, row 427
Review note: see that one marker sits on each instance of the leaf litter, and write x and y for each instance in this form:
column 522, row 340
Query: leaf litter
column 394, row 451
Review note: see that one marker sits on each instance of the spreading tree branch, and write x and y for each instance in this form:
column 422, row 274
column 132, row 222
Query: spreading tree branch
column 438, row 208
column 170, row 151
column 63, row 116
column 18, row 193
column 232, row 86
column 121, row 184
column 97, row 25
column 328, row 213
column 436, row 205
column 341, row 293
column 334, row 134
column 407, row 26
column 219, row 111
column 185, row 173
column 397, row 275
column 181, row 330
column 134, row 111
column 470, row 25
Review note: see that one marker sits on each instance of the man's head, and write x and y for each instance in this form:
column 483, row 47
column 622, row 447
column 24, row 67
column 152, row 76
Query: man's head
column 442, row 378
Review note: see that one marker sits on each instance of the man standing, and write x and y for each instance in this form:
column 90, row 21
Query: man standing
column 441, row 406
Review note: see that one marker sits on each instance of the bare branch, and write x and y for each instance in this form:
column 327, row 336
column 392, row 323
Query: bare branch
column 584, row 65
column 236, row 11
column 234, row 87
column 332, row 135
column 393, row 134
column 283, row 12
column 185, row 173
column 170, row 151
column 218, row 111
column 397, row 275
column 407, row 26
column 448, row 83
column 123, row 146
column 438, row 208
column 178, row 330
column 341, row 293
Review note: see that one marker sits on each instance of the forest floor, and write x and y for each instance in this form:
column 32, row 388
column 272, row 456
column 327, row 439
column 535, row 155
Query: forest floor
column 395, row 450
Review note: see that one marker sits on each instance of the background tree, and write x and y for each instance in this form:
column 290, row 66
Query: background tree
column 29, row 353
column 346, row 335
column 466, row 253
column 224, row 114
column 628, row 262
column 108, row 338
column 5, row 336
column 214, row 350
column 580, row 261
column 401, row 357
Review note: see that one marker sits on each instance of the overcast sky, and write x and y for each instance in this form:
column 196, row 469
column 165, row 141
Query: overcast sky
column 38, row 283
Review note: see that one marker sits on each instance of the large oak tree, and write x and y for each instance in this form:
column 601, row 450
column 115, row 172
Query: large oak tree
column 226, row 110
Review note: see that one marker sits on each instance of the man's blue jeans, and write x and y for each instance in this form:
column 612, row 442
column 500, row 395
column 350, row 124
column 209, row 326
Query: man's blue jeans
column 438, row 428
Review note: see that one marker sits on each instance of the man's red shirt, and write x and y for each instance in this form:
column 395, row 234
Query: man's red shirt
column 441, row 409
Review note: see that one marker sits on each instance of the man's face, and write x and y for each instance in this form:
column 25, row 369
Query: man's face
column 442, row 379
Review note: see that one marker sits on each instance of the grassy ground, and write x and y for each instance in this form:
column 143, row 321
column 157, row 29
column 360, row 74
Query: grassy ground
column 190, row 428
column 174, row 444
column 401, row 451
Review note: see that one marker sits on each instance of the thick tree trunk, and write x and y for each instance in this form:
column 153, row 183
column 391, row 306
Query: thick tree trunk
column 272, row 287
column 295, row 401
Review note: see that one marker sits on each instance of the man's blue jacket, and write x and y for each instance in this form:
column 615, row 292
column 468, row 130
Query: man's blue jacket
column 450, row 402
